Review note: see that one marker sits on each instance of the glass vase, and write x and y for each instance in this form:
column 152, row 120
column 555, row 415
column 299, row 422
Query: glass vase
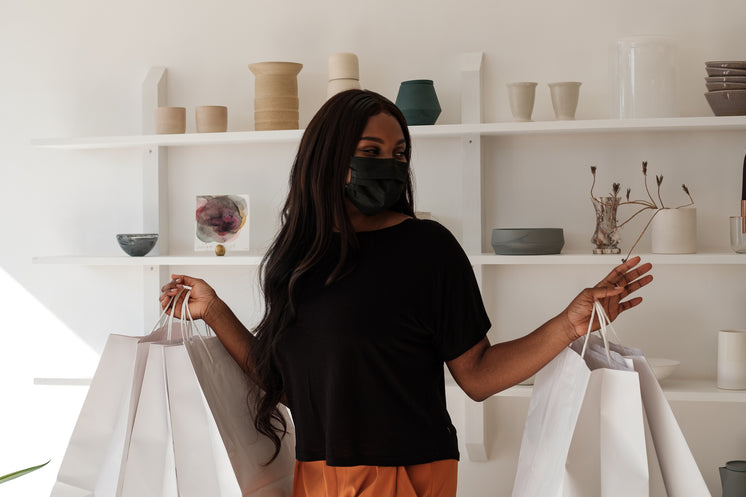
column 606, row 237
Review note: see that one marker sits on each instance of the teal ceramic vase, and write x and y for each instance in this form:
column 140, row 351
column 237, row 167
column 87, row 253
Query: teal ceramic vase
column 418, row 102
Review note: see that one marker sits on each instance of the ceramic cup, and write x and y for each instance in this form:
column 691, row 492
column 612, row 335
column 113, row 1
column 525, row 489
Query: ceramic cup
column 211, row 118
column 674, row 231
column 521, row 96
column 170, row 120
column 738, row 234
column 732, row 359
column 565, row 99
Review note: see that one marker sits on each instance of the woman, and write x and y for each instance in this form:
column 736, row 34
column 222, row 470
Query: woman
column 364, row 304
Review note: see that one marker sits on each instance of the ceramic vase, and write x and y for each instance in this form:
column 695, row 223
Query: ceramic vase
column 418, row 102
column 344, row 73
column 606, row 236
column 275, row 95
column 674, row 231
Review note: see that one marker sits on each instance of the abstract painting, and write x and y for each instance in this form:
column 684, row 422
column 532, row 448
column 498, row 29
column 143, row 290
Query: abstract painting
column 222, row 220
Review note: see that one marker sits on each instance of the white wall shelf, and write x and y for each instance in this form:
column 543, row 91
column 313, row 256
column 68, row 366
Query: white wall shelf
column 159, row 260
column 674, row 390
column 253, row 259
column 437, row 131
column 470, row 133
column 606, row 260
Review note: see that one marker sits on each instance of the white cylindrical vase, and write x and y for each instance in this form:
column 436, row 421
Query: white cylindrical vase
column 732, row 359
column 674, row 231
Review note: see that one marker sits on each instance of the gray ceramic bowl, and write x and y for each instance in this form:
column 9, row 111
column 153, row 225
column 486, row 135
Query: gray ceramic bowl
column 727, row 102
column 135, row 244
column 725, row 86
column 724, row 71
column 725, row 79
column 732, row 64
column 527, row 241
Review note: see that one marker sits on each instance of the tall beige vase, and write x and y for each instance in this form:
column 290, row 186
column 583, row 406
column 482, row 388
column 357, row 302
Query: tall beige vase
column 275, row 95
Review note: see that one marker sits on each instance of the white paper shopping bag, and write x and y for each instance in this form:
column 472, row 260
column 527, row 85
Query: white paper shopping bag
column 608, row 456
column 584, row 434
column 196, row 456
column 558, row 393
column 93, row 457
column 227, row 390
column 149, row 470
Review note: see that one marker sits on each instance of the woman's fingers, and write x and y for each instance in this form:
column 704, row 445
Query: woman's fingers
column 628, row 273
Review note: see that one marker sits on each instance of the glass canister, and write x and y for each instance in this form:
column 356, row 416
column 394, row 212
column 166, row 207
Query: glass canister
column 646, row 77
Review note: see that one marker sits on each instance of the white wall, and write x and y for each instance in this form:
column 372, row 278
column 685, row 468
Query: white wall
column 75, row 69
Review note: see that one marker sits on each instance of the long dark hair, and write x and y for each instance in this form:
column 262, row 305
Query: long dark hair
column 313, row 211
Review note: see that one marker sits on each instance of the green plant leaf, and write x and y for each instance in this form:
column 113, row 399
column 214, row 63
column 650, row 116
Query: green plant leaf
column 11, row 476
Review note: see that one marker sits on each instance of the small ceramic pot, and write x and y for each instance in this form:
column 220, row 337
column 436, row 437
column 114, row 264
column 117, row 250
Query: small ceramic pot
column 418, row 102
column 674, row 231
column 211, row 118
column 170, row 120
column 565, row 99
column 521, row 95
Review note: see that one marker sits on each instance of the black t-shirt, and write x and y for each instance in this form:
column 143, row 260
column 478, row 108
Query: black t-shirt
column 362, row 361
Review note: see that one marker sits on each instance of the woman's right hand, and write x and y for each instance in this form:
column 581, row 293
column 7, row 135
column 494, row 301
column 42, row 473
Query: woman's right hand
column 201, row 298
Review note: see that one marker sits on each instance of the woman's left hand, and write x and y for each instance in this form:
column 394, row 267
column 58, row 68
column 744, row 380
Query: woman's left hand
column 623, row 280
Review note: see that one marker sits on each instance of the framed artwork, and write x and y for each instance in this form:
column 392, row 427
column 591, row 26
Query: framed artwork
column 222, row 220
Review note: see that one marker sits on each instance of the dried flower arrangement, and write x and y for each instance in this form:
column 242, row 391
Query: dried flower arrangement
column 649, row 204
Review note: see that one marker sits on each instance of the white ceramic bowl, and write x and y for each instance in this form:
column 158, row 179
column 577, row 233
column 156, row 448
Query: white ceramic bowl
column 662, row 368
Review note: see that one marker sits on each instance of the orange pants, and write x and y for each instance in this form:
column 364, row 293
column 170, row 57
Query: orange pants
column 316, row 479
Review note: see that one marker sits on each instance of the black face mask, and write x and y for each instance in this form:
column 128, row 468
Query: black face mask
column 376, row 184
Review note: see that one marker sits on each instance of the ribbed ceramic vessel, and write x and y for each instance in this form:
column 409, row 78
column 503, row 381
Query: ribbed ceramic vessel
column 275, row 95
column 418, row 102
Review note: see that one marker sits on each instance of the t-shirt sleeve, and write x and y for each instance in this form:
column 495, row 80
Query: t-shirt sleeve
column 458, row 317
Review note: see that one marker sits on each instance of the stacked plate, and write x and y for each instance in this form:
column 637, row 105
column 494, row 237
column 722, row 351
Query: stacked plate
column 726, row 85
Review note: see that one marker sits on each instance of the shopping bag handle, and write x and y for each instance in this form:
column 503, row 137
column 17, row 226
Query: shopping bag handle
column 191, row 326
column 605, row 329
column 165, row 318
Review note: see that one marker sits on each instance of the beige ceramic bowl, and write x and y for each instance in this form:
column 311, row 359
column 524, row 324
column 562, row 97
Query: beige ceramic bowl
column 170, row 120
column 211, row 118
column 727, row 102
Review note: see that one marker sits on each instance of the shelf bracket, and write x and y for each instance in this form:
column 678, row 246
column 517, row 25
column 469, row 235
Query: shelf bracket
column 471, row 159
column 154, row 193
